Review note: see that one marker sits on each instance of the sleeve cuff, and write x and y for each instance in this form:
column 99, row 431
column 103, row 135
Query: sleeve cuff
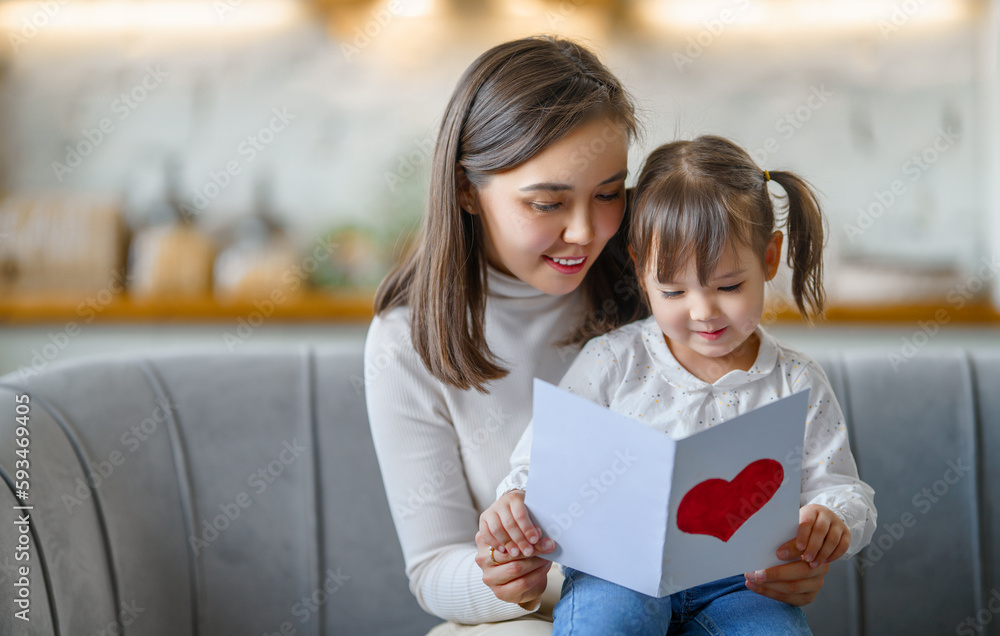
column 841, row 515
column 516, row 480
column 858, row 527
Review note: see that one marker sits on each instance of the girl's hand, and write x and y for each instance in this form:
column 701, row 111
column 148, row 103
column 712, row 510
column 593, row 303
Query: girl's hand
column 822, row 538
column 518, row 580
column 506, row 526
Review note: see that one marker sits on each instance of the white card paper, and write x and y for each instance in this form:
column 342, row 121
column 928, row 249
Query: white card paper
column 630, row 505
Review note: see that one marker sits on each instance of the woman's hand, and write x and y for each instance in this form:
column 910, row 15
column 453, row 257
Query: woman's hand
column 518, row 580
column 822, row 537
column 794, row 583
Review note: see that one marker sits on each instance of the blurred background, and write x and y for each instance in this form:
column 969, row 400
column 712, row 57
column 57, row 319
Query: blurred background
column 235, row 173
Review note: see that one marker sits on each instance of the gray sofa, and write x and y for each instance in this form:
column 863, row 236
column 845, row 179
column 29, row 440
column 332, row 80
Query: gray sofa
column 239, row 494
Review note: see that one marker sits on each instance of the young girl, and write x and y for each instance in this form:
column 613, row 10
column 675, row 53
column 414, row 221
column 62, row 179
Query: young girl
column 703, row 241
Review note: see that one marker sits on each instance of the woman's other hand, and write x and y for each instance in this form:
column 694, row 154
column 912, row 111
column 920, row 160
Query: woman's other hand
column 519, row 579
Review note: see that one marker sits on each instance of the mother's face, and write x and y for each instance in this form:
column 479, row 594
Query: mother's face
column 547, row 220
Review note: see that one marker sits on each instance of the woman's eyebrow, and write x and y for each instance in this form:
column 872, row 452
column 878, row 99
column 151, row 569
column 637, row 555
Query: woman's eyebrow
column 547, row 187
column 559, row 187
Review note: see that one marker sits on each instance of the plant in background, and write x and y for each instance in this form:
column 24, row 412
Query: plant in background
column 363, row 252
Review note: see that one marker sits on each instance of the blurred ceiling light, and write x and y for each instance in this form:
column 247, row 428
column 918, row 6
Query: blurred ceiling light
column 796, row 14
column 116, row 16
column 416, row 8
column 520, row 8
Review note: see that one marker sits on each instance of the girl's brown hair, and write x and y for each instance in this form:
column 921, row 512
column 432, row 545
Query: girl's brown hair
column 695, row 199
column 513, row 102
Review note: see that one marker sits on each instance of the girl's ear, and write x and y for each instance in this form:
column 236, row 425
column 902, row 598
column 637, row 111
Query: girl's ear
column 772, row 257
column 465, row 192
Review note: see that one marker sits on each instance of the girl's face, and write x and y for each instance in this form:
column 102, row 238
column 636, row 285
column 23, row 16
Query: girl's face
column 709, row 327
column 547, row 220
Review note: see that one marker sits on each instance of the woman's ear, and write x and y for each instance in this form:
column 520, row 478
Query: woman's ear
column 772, row 257
column 465, row 191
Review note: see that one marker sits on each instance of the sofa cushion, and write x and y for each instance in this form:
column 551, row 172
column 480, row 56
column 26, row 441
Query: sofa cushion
column 232, row 494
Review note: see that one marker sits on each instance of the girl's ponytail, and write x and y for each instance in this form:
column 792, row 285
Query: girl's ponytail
column 805, row 243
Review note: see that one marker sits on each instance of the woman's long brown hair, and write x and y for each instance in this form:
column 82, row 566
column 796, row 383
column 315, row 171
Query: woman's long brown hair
column 514, row 101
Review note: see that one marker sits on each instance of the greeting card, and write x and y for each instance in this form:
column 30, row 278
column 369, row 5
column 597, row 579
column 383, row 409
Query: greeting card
column 631, row 505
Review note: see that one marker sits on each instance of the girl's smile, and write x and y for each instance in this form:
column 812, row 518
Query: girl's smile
column 712, row 335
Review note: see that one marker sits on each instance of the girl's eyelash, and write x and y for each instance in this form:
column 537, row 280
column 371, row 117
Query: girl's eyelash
column 731, row 289
column 610, row 197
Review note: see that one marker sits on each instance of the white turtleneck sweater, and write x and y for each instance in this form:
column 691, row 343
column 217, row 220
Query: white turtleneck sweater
column 443, row 451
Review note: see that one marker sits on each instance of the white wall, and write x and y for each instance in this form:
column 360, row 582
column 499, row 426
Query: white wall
column 991, row 83
column 848, row 108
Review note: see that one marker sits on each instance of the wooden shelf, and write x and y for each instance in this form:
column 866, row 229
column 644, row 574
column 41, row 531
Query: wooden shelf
column 356, row 306
column 312, row 306
column 980, row 313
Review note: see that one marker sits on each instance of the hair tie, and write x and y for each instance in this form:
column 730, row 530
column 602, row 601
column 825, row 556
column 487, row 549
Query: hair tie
column 767, row 176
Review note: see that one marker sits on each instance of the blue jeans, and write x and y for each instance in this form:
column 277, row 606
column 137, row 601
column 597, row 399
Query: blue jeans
column 590, row 605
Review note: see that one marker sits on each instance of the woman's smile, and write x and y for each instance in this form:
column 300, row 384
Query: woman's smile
column 570, row 266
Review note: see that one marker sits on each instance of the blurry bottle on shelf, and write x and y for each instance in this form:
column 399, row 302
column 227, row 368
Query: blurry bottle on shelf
column 170, row 257
column 67, row 243
column 262, row 261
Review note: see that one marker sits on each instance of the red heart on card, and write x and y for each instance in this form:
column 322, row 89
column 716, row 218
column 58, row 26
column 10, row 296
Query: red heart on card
column 718, row 507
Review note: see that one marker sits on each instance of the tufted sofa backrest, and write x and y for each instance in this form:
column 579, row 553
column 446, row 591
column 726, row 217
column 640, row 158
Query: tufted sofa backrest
column 214, row 494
